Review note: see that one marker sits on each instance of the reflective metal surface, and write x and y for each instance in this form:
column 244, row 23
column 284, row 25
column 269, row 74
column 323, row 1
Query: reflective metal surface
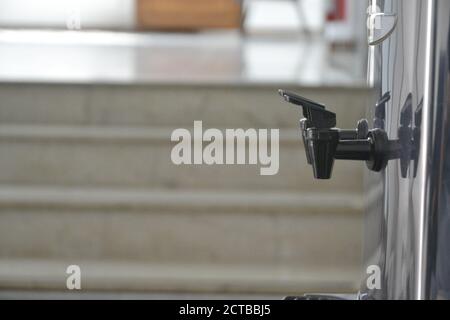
column 407, row 223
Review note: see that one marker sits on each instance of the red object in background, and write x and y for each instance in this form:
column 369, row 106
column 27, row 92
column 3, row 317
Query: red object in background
column 338, row 10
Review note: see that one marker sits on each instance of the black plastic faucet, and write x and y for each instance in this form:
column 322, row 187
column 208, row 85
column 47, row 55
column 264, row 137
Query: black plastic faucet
column 324, row 143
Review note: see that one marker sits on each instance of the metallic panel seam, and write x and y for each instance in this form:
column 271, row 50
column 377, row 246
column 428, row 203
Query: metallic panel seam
column 426, row 143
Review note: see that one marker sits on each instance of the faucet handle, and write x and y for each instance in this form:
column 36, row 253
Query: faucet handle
column 316, row 113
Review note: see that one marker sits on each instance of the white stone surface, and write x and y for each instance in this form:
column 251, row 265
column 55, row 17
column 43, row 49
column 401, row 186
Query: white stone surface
column 212, row 57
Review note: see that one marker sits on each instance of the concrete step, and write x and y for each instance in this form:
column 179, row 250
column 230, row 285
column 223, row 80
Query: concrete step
column 230, row 106
column 272, row 229
column 86, row 178
column 140, row 157
column 166, row 279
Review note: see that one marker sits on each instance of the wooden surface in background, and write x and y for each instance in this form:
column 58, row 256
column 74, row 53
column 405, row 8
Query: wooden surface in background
column 188, row 14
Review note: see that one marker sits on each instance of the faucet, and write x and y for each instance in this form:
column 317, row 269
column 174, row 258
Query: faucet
column 324, row 143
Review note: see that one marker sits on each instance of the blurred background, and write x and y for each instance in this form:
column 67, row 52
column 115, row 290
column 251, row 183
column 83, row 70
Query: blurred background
column 90, row 92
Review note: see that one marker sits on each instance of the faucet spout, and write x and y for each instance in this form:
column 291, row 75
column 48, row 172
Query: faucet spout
column 324, row 143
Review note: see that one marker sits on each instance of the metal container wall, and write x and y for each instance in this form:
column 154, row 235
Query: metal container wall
column 407, row 222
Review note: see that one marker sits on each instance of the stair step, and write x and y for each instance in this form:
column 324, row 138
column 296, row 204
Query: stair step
column 31, row 274
column 140, row 157
column 198, row 201
column 119, row 134
column 157, row 226
column 228, row 106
